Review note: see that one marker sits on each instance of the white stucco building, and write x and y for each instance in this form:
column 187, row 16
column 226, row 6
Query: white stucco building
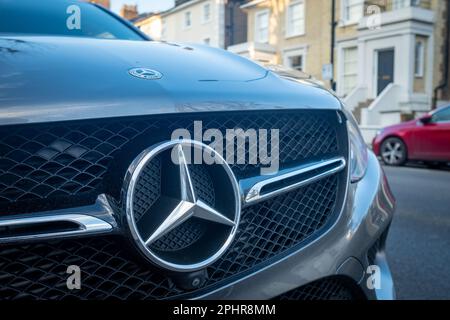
column 389, row 55
column 394, row 65
column 218, row 23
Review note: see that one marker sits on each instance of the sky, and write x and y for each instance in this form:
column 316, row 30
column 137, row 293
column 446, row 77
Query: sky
column 143, row 5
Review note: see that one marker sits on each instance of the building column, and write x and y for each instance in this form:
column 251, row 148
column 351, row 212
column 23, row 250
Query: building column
column 407, row 70
column 220, row 23
column 362, row 65
column 429, row 64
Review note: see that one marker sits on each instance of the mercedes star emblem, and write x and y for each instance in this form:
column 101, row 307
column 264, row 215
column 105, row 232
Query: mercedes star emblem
column 182, row 216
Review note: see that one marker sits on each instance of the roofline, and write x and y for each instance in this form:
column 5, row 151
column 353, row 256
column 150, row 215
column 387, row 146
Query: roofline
column 180, row 7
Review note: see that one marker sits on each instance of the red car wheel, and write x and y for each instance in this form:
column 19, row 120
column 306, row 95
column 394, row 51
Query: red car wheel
column 393, row 152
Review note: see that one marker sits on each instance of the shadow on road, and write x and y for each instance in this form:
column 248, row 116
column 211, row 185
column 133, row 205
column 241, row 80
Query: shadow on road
column 424, row 166
column 421, row 165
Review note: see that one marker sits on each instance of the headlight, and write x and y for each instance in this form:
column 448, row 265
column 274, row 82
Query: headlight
column 358, row 149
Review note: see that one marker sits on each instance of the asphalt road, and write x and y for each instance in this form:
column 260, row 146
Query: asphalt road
column 418, row 246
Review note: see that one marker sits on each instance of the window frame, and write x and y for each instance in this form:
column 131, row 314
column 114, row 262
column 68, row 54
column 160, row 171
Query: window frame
column 257, row 36
column 289, row 53
column 185, row 25
column 204, row 20
column 400, row 4
column 345, row 72
column 345, row 18
column 419, row 61
column 302, row 65
column 163, row 28
column 289, row 31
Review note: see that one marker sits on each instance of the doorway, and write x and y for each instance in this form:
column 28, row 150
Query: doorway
column 385, row 72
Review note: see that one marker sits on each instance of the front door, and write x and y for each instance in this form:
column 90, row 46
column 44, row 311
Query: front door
column 385, row 69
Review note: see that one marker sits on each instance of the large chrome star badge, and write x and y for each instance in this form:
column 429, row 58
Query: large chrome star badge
column 161, row 201
column 189, row 205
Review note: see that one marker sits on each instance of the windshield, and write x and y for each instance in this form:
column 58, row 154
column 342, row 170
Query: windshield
column 61, row 18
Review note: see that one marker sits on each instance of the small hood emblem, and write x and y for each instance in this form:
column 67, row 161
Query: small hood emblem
column 145, row 73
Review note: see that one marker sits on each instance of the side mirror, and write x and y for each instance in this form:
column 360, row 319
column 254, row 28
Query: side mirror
column 426, row 119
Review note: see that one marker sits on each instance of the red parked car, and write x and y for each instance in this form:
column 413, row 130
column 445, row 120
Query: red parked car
column 425, row 139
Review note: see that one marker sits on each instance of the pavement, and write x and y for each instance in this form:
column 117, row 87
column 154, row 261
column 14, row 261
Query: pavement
column 418, row 245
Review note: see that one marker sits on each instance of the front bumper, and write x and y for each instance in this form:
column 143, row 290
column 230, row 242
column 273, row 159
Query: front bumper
column 354, row 243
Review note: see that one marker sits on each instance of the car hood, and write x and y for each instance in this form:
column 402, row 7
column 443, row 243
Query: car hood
column 58, row 78
column 403, row 125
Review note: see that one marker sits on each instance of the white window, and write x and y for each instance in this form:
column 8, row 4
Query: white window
column 295, row 19
column 398, row 4
column 350, row 69
column 352, row 10
column 206, row 17
column 295, row 58
column 262, row 26
column 163, row 29
column 187, row 19
column 296, row 62
column 419, row 54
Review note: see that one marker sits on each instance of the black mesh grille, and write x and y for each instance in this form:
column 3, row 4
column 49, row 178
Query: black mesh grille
column 52, row 165
column 266, row 230
column 181, row 237
column 38, row 271
column 277, row 225
column 148, row 188
column 47, row 165
column 335, row 288
column 202, row 183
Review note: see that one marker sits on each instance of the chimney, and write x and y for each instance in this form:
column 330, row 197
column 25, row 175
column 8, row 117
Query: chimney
column 129, row 11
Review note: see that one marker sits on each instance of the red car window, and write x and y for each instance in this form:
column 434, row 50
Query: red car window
column 441, row 116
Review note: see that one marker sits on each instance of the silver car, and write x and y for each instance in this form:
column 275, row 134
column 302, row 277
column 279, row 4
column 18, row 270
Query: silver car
column 136, row 169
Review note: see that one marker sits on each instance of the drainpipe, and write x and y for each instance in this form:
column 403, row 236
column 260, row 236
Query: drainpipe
column 444, row 83
column 333, row 39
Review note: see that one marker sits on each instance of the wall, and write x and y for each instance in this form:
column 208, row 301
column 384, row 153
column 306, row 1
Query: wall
column 315, row 42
